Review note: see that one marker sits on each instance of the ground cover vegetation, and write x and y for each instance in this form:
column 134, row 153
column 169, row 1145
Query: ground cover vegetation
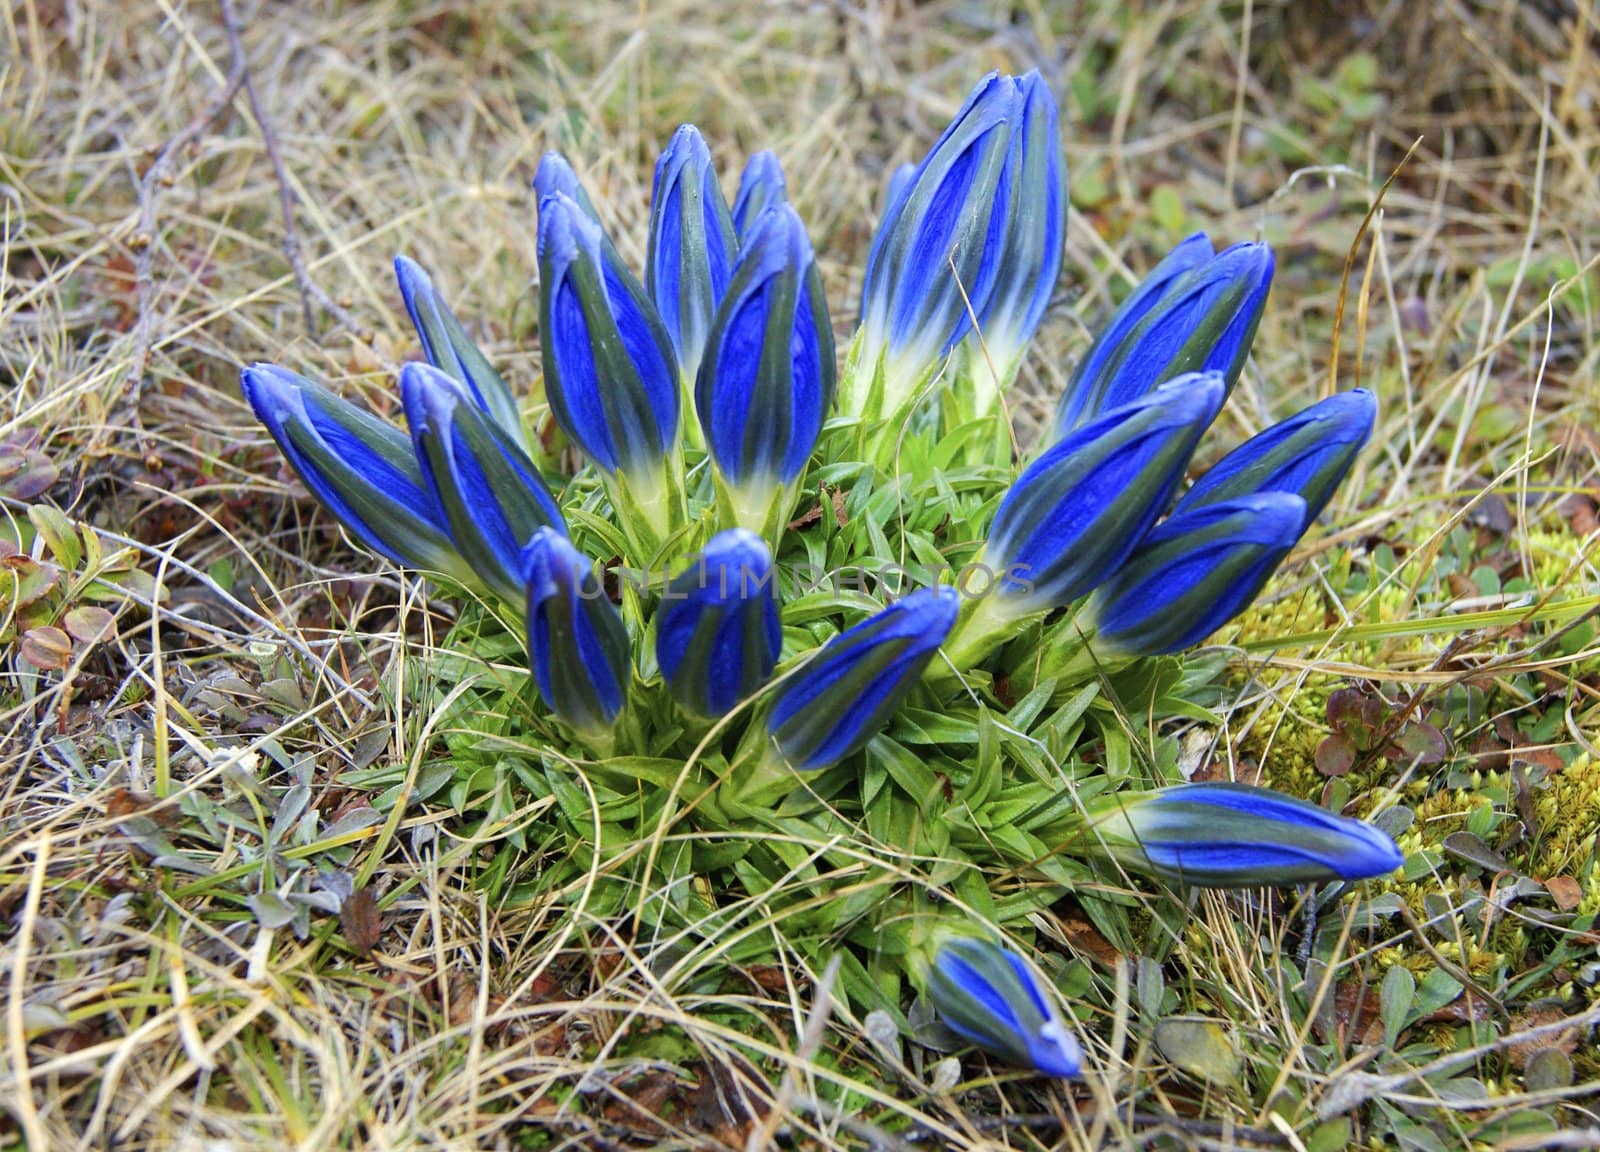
column 284, row 858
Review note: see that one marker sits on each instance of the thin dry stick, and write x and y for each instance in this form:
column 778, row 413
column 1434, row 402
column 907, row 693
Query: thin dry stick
column 309, row 292
column 1349, row 266
column 143, row 241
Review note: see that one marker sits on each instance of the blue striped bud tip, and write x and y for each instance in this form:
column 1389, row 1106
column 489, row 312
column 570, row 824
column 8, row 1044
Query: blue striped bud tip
column 848, row 691
column 718, row 634
column 448, row 347
column 361, row 469
column 1308, row 455
column 991, row 997
column 1234, row 836
column 692, row 244
column 1079, row 510
column 761, row 186
column 554, row 175
column 493, row 497
column 767, row 379
column 1195, row 312
column 577, row 643
column 609, row 372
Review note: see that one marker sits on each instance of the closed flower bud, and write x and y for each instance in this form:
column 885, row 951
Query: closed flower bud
column 848, row 691
column 448, row 347
column 975, row 232
column 1308, row 454
column 1031, row 237
column 1077, row 512
column 1195, row 312
column 991, row 997
column 1193, row 574
column 556, row 175
column 767, row 379
column 1234, row 836
column 692, row 245
column 492, row 495
column 718, row 633
column 577, row 643
column 608, row 365
column 362, row 470
column 761, row 186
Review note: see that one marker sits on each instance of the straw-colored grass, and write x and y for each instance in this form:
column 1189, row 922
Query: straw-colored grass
column 143, row 220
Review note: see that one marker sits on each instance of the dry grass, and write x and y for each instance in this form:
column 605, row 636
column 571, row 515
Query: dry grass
column 147, row 1008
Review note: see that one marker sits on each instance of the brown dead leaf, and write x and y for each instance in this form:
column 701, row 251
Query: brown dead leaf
column 1580, row 513
column 125, row 802
column 1240, row 771
column 361, row 920
column 720, row 1107
column 1085, row 937
column 1357, row 1008
column 640, row 1103
column 839, row 517
column 1519, row 1052
column 1466, row 1009
column 1565, row 891
column 768, row 977
column 1545, row 761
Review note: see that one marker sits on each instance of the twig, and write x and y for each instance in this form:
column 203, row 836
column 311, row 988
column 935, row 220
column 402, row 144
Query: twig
column 810, row 1043
column 309, row 292
column 1352, row 1089
column 143, row 241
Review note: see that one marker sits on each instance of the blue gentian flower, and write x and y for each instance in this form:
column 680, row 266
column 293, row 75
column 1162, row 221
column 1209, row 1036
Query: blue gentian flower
column 991, row 997
column 1234, row 836
column 493, row 497
column 1193, row 574
column 718, row 634
column 1308, row 454
column 1195, row 312
column 577, row 643
column 1031, row 239
column 761, row 186
column 363, row 470
column 848, row 691
column 1078, row 511
column 692, row 245
column 767, row 379
column 448, row 347
column 980, row 216
column 609, row 372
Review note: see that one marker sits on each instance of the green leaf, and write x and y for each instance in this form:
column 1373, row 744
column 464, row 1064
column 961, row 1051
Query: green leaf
column 1395, row 996
column 1203, row 1048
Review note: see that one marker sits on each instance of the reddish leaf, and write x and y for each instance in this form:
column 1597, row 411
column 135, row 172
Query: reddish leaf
column 1336, row 755
column 1421, row 742
column 48, row 649
column 90, row 624
column 26, row 473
